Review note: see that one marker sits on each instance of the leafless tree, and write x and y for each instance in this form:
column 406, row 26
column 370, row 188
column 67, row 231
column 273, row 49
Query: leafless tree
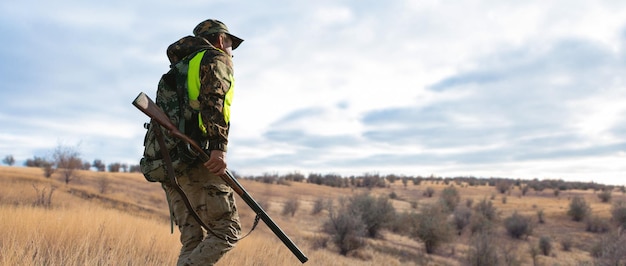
column 66, row 159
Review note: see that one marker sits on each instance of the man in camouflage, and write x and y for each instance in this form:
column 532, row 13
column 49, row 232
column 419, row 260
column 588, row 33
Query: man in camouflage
column 210, row 196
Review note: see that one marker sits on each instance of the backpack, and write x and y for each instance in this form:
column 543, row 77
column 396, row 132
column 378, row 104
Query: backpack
column 173, row 100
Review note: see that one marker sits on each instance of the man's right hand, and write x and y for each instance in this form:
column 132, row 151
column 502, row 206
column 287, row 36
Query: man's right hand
column 216, row 163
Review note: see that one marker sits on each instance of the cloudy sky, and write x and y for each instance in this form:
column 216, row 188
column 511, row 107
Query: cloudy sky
column 519, row 89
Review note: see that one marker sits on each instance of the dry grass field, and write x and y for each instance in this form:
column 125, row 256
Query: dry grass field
column 121, row 219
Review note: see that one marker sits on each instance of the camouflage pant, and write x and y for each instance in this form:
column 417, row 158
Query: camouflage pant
column 214, row 202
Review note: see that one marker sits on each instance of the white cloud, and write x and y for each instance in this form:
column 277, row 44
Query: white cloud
column 329, row 16
column 487, row 88
column 597, row 115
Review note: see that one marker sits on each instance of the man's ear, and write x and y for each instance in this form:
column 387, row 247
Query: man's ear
column 220, row 41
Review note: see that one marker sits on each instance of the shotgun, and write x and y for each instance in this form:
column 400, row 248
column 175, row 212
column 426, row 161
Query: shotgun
column 148, row 107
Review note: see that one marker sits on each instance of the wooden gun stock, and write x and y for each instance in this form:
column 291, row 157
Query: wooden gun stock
column 148, row 107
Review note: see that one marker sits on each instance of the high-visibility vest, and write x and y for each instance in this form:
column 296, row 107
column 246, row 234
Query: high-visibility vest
column 193, row 90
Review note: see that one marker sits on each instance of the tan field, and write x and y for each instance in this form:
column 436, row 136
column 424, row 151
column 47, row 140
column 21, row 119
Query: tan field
column 121, row 219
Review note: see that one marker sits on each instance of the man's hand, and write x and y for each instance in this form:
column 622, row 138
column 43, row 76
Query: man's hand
column 216, row 163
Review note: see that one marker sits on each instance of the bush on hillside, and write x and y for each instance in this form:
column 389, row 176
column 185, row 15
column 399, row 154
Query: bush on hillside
column 321, row 204
column 346, row 230
column 518, row 226
column 403, row 222
column 432, row 228
column 503, row 186
column 596, row 224
column 376, row 213
column 610, row 249
column 578, row 209
column 605, row 196
column 429, row 192
column 618, row 212
column 545, row 245
column 461, row 218
column 483, row 250
column 541, row 217
column 566, row 244
column 450, row 198
column 290, row 207
column 486, row 208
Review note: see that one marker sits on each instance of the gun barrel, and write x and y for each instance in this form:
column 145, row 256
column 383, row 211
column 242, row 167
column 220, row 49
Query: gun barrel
column 254, row 205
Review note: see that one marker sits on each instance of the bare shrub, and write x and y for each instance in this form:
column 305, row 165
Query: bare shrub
column 518, row 226
column 610, row 250
column 540, row 216
column 290, row 207
column 432, row 228
column 320, row 242
column 509, row 255
column 48, row 169
column 469, row 202
column 283, row 181
column 403, row 223
column 321, row 204
column 429, row 192
column 524, row 189
column 450, row 198
column 578, row 209
column 479, row 223
column 43, row 196
column 503, row 186
column 103, row 183
column 483, row 250
column 618, row 212
column 393, row 195
column 461, row 218
column 376, row 213
column 545, row 245
column 605, row 196
column 566, row 244
column 534, row 253
column 596, row 224
column 345, row 229
column 487, row 209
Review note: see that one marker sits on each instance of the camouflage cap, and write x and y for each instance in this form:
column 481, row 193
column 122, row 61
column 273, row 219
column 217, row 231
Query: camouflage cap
column 211, row 26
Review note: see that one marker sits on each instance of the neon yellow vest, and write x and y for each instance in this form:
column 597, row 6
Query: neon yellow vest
column 193, row 90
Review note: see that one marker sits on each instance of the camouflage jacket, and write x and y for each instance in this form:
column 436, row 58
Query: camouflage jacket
column 216, row 85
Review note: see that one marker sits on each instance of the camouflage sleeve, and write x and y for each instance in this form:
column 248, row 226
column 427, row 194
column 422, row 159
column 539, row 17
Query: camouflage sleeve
column 215, row 80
